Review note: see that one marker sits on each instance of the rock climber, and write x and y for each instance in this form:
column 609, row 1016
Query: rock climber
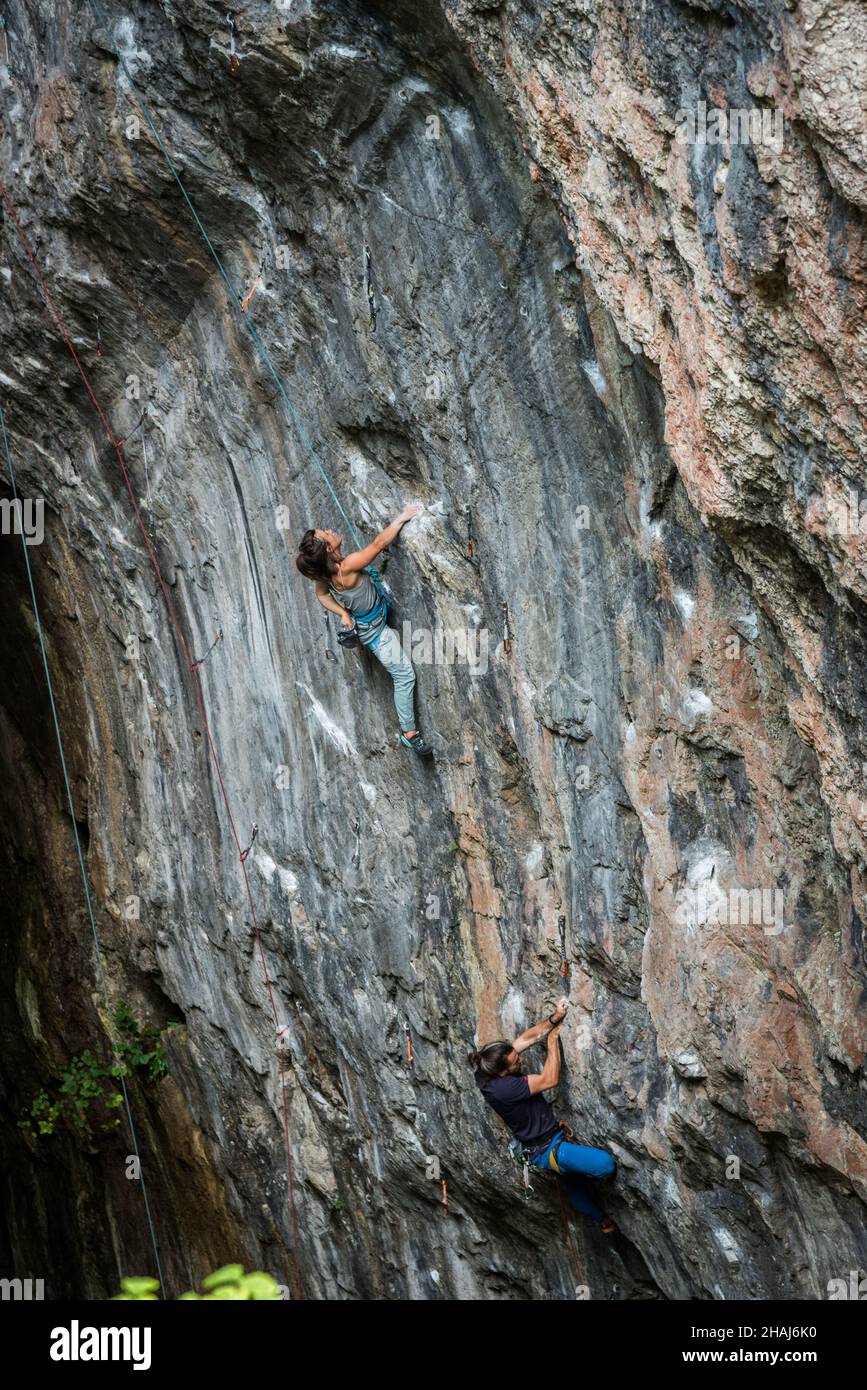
column 544, row 1142
column 345, row 587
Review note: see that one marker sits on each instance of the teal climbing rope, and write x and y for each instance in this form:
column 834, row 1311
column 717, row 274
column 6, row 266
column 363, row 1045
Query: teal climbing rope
column 115, row 1046
column 234, row 295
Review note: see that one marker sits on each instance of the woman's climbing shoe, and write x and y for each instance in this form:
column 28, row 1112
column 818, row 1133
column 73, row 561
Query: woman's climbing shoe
column 417, row 744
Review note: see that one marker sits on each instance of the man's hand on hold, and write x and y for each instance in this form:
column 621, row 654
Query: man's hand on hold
column 560, row 1011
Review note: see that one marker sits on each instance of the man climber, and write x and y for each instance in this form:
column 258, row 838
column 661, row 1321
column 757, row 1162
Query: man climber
column 345, row 588
column 519, row 1099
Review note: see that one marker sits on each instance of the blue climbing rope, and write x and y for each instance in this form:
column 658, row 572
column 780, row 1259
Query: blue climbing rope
column 233, row 293
column 115, row 1047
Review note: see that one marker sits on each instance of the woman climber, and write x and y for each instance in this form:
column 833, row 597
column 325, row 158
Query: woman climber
column 518, row 1099
column 346, row 588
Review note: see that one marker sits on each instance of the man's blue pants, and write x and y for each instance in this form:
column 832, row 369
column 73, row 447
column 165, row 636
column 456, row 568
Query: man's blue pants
column 578, row 1166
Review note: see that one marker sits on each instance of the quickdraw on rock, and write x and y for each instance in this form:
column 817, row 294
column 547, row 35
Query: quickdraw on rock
column 125, row 438
column 408, row 1035
column 563, row 968
column 234, row 57
column 507, row 631
column 369, row 289
column 144, row 453
column 202, row 659
column 470, row 541
column 245, row 852
column 248, row 297
column 99, row 351
column 356, row 853
column 329, row 654
column 516, row 1154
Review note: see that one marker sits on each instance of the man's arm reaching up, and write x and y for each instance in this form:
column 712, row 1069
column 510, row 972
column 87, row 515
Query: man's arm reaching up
column 540, row 1030
column 550, row 1074
column 550, row 1028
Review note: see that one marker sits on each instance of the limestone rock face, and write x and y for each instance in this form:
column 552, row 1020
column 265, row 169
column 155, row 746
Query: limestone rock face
column 623, row 368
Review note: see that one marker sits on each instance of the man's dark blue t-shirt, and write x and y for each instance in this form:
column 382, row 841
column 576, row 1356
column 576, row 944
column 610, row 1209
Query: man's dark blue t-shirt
column 530, row 1118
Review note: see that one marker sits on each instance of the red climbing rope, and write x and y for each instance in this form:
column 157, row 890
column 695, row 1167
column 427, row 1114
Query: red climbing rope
column 193, row 668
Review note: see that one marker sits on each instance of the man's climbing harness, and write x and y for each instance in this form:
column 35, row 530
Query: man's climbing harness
column 563, row 968
column 369, row 288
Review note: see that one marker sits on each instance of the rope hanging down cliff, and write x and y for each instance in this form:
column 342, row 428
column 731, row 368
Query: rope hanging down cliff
column 193, row 669
column 236, row 298
column 103, row 978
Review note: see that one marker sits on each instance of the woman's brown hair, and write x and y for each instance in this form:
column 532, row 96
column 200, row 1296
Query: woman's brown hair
column 314, row 558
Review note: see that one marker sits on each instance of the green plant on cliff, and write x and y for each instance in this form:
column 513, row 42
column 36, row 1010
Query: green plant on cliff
column 140, row 1048
column 86, row 1096
column 229, row 1283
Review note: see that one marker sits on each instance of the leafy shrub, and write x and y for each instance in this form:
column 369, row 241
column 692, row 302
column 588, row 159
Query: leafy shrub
column 230, row 1283
column 86, row 1096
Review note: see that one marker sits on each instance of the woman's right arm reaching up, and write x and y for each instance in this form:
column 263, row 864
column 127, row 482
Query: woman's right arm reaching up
column 360, row 559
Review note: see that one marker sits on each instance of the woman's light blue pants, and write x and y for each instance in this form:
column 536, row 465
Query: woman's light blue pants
column 388, row 650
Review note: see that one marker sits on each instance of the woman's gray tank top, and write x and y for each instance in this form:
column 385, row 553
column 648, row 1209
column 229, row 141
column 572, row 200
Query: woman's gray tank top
column 361, row 599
